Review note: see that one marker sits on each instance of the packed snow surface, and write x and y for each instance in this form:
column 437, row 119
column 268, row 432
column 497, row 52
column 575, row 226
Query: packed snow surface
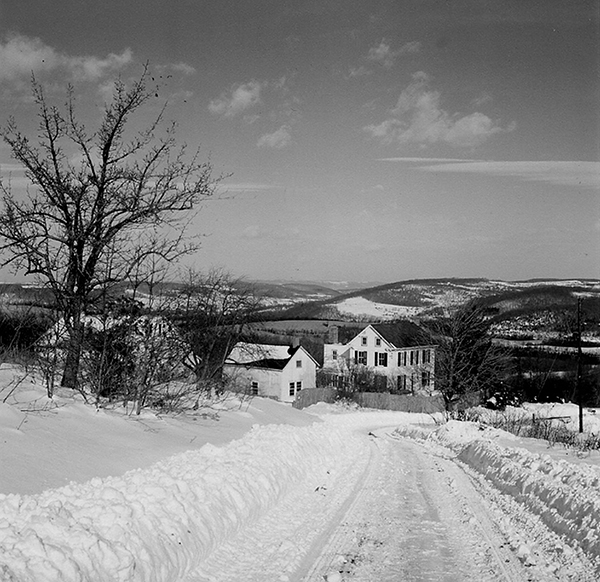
column 166, row 520
column 157, row 524
column 564, row 494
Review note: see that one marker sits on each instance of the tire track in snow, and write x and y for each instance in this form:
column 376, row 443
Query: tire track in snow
column 328, row 548
column 497, row 556
column 417, row 518
column 286, row 539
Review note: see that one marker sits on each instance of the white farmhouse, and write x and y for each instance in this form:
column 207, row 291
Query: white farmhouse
column 151, row 339
column 388, row 350
column 268, row 370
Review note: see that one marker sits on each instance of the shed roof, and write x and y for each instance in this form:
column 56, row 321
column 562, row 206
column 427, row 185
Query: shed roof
column 267, row 356
column 248, row 353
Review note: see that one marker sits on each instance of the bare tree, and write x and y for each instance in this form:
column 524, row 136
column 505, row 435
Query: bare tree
column 88, row 225
column 216, row 311
column 468, row 363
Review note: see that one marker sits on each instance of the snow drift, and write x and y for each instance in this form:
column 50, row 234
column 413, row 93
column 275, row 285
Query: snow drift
column 566, row 496
column 159, row 523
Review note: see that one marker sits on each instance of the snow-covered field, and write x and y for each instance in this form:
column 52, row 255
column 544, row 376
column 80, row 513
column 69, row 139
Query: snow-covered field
column 361, row 306
column 249, row 490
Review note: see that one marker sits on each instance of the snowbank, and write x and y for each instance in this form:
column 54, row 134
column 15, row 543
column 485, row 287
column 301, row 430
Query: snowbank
column 159, row 523
column 48, row 443
column 566, row 496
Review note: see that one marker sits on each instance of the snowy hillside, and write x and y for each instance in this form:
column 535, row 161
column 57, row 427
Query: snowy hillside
column 432, row 297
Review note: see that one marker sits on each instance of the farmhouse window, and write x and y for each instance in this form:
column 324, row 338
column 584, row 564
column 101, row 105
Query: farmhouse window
column 402, row 359
column 254, row 388
column 360, row 358
column 298, row 386
column 412, row 358
column 401, row 383
column 363, row 341
column 426, row 356
column 298, row 363
column 334, row 355
column 425, row 379
column 381, row 358
column 417, row 357
column 377, row 341
column 292, row 391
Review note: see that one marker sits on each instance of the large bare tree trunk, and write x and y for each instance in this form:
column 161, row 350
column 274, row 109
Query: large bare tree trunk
column 73, row 359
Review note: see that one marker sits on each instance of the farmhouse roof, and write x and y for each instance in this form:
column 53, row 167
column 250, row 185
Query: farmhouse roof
column 401, row 334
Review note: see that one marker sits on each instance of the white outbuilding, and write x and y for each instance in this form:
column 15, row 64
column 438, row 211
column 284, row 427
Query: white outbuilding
column 269, row 370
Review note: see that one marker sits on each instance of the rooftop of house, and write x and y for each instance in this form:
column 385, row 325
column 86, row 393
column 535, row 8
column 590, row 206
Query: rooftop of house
column 401, row 334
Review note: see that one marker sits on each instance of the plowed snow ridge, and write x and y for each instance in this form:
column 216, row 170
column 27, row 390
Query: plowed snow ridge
column 564, row 495
column 158, row 524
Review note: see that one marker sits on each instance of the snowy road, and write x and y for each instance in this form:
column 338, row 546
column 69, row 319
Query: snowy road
column 357, row 496
column 419, row 519
column 402, row 512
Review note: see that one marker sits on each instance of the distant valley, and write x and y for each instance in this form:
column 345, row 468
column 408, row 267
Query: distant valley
column 520, row 309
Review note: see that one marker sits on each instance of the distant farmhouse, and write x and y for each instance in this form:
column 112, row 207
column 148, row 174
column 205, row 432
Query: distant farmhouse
column 391, row 351
column 268, row 370
column 144, row 338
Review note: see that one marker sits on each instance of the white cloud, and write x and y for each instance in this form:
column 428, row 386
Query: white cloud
column 246, row 187
column 485, row 97
column 359, row 71
column 255, row 231
column 184, row 68
column 425, row 160
column 249, row 119
column 21, row 55
column 281, row 83
column 470, row 130
column 563, row 173
column 238, row 99
column 418, row 118
column 410, row 47
column 106, row 89
column 383, row 54
column 92, row 68
column 581, row 174
column 277, row 140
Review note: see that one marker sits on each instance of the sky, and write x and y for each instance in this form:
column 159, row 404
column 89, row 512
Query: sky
column 362, row 140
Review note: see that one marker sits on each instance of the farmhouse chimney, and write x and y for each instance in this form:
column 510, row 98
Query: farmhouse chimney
column 295, row 342
column 333, row 335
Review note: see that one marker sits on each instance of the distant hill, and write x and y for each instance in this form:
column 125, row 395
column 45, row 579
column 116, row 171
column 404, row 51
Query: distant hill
column 426, row 298
column 513, row 305
column 17, row 294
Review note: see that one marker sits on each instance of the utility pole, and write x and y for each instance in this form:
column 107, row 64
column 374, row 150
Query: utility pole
column 579, row 354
